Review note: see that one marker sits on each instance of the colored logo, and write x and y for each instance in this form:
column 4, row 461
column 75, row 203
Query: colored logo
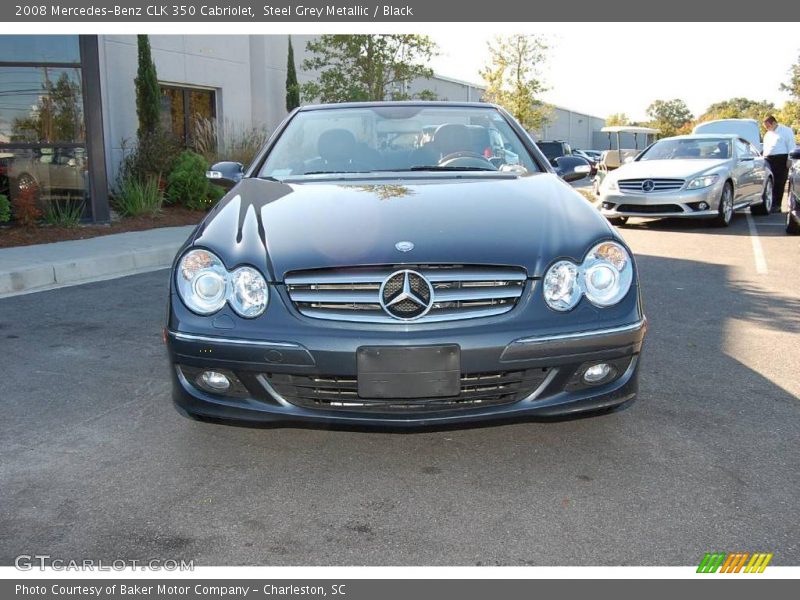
column 734, row 562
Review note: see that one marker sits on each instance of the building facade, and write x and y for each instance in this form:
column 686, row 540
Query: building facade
column 68, row 103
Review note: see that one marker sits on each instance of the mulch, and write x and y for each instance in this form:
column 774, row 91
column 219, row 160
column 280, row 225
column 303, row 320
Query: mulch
column 173, row 216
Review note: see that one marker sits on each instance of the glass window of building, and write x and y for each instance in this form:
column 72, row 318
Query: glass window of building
column 43, row 159
column 182, row 108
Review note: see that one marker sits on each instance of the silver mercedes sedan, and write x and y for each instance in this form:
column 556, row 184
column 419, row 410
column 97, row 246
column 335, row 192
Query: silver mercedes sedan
column 696, row 176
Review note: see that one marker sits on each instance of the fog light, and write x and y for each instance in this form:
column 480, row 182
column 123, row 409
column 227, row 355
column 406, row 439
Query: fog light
column 703, row 206
column 215, row 380
column 596, row 373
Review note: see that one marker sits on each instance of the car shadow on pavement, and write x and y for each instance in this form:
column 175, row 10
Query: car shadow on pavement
column 767, row 226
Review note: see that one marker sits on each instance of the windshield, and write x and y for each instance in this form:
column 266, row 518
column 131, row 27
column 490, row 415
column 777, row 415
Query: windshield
column 397, row 138
column 688, row 148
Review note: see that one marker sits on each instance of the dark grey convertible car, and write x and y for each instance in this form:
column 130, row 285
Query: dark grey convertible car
column 383, row 263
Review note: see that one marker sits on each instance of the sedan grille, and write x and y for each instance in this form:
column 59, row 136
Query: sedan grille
column 650, row 185
column 649, row 208
column 458, row 292
column 341, row 393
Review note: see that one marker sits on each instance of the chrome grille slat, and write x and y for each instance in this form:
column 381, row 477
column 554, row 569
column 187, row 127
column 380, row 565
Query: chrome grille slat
column 353, row 294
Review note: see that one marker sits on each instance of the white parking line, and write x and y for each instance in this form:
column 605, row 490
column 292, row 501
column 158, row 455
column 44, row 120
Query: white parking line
column 758, row 251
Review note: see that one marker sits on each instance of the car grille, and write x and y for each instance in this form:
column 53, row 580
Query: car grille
column 459, row 292
column 659, row 185
column 341, row 393
column 650, row 208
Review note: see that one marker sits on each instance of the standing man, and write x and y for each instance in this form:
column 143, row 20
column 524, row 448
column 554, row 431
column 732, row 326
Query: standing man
column 778, row 143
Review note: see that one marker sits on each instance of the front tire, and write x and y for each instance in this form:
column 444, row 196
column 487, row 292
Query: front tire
column 725, row 210
column 792, row 226
column 765, row 206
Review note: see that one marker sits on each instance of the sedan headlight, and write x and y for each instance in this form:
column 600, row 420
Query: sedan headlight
column 249, row 293
column 205, row 285
column 604, row 277
column 611, row 185
column 702, row 182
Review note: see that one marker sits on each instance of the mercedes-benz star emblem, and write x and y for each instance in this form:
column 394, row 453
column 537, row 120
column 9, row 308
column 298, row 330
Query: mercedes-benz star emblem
column 404, row 246
column 406, row 295
column 648, row 185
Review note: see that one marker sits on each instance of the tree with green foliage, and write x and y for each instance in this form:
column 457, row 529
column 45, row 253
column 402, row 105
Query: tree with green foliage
column 790, row 113
column 366, row 67
column 512, row 78
column 670, row 117
column 292, row 87
column 739, row 108
column 617, row 119
column 57, row 115
column 148, row 94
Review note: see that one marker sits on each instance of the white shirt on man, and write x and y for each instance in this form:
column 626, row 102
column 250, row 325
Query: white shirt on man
column 779, row 141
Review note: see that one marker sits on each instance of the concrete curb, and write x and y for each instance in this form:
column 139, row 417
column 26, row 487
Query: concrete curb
column 30, row 269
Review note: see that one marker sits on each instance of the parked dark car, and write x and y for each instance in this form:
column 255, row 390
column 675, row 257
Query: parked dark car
column 793, row 214
column 346, row 280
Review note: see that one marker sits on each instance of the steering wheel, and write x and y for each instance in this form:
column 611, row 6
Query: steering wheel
column 466, row 159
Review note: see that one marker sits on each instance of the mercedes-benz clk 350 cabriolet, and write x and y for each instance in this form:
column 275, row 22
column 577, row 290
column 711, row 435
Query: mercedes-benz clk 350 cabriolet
column 386, row 263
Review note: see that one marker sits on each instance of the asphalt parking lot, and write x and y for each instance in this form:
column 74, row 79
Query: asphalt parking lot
column 97, row 463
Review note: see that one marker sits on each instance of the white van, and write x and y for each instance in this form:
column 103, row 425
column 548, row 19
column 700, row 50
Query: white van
column 744, row 128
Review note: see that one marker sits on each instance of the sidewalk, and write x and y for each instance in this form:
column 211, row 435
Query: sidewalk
column 46, row 266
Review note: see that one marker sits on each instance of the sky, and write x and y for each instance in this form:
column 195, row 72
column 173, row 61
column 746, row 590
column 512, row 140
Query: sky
column 605, row 68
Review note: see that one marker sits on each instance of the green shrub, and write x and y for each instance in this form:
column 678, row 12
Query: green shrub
column 64, row 213
column 135, row 197
column 154, row 155
column 187, row 183
column 5, row 209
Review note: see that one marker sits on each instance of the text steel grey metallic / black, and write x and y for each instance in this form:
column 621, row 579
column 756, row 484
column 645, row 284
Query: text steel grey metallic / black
column 393, row 264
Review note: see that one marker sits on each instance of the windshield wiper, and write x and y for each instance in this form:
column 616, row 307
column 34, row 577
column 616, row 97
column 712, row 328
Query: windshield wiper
column 332, row 172
column 442, row 168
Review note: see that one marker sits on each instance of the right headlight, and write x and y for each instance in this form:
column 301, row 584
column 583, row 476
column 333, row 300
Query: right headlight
column 205, row 285
column 604, row 277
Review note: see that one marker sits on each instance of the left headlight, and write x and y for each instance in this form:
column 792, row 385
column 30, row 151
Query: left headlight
column 205, row 285
column 702, row 182
column 604, row 277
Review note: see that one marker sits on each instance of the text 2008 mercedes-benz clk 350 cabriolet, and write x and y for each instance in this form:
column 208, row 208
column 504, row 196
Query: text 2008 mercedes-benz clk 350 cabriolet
column 402, row 264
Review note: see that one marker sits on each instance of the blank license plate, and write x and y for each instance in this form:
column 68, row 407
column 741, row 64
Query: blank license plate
column 409, row 371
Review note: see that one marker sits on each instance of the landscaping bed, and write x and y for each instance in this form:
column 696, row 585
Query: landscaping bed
column 170, row 216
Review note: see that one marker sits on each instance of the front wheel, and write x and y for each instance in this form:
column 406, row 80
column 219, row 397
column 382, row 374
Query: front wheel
column 792, row 223
column 765, row 206
column 725, row 210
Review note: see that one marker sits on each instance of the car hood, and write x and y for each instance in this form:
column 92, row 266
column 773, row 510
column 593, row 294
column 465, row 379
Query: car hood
column 680, row 169
column 281, row 227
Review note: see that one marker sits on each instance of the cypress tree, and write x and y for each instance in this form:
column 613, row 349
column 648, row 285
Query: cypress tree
column 292, row 87
column 148, row 94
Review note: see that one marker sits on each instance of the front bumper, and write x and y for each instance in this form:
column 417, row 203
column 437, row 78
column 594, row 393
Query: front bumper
column 553, row 364
column 678, row 204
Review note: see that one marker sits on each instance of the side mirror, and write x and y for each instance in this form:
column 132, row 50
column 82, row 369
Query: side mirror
column 795, row 154
column 628, row 159
column 226, row 173
column 572, row 168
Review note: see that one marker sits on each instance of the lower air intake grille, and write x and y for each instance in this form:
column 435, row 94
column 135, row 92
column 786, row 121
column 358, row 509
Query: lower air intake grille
column 341, row 393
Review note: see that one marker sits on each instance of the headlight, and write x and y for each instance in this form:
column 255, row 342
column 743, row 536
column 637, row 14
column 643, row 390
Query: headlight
column 611, row 185
column 561, row 289
column 607, row 274
column 202, row 282
column 702, row 182
column 604, row 277
column 249, row 293
column 205, row 285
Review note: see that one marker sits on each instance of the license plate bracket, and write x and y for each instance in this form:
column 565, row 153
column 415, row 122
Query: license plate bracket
column 413, row 372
